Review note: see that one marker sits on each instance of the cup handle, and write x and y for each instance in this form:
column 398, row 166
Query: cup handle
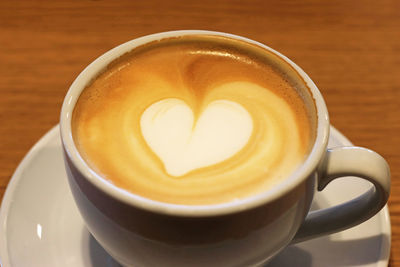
column 338, row 163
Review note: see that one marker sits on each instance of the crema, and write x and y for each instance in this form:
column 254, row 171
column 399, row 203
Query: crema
column 195, row 120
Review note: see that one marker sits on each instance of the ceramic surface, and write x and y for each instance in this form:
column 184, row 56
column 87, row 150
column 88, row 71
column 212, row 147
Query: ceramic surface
column 41, row 226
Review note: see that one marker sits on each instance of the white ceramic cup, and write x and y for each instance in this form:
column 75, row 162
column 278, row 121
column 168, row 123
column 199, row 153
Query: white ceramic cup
column 138, row 231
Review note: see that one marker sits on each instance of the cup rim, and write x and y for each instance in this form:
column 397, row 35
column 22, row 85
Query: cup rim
column 276, row 191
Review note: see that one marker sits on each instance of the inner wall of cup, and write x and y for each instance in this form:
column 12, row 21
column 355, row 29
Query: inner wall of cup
column 308, row 92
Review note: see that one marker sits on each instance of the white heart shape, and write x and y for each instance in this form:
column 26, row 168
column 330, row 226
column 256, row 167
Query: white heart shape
column 222, row 129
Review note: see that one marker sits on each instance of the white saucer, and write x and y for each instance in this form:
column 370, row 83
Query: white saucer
column 41, row 226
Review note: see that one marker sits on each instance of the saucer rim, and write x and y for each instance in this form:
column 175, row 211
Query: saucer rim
column 384, row 215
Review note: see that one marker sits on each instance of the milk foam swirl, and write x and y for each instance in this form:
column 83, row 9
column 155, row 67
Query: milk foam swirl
column 111, row 136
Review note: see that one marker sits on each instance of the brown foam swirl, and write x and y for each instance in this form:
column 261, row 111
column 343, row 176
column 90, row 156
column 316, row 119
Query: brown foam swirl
column 107, row 131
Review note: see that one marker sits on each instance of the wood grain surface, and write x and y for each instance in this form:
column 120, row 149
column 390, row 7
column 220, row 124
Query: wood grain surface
column 351, row 49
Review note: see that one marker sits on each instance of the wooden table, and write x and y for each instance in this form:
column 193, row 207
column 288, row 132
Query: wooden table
column 351, row 49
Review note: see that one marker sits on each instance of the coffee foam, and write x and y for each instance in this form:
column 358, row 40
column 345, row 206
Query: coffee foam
column 117, row 122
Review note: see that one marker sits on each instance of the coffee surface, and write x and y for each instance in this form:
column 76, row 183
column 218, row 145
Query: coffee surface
column 195, row 120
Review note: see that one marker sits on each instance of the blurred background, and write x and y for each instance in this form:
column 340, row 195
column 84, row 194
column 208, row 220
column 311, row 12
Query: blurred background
column 350, row 49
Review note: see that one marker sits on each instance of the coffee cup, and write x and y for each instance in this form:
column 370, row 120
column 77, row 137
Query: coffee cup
column 201, row 148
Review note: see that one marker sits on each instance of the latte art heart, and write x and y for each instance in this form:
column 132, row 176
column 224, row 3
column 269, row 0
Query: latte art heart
column 184, row 144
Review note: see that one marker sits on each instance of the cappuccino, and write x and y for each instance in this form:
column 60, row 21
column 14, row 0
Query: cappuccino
column 195, row 120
